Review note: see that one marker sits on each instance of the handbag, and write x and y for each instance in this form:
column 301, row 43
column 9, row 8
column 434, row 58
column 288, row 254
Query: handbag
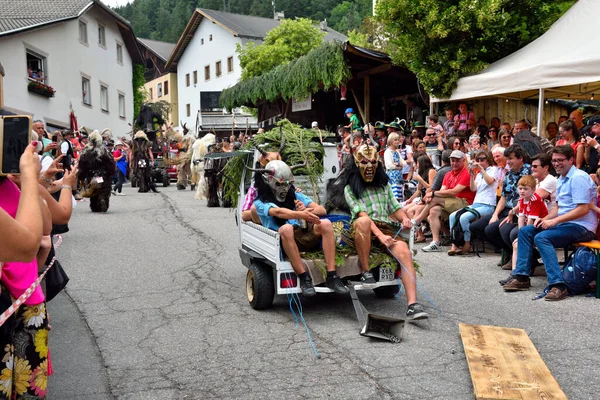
column 56, row 278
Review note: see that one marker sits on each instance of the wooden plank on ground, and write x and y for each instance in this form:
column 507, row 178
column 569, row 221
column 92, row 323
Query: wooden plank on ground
column 504, row 364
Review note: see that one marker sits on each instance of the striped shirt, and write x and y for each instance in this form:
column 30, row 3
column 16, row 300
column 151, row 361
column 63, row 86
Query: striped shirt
column 379, row 203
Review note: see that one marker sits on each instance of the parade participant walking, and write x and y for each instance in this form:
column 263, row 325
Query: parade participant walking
column 120, row 156
column 143, row 159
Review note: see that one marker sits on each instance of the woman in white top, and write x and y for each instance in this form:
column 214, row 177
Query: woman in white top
column 484, row 180
column 394, row 164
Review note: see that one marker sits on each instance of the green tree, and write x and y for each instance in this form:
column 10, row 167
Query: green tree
column 284, row 43
column 443, row 40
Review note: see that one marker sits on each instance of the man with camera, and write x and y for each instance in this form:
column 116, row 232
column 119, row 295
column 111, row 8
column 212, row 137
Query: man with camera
column 592, row 143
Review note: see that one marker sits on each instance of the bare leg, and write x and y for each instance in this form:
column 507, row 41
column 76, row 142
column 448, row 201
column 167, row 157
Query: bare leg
column 435, row 223
column 515, row 244
column 409, row 277
column 291, row 248
column 362, row 239
column 425, row 212
column 325, row 231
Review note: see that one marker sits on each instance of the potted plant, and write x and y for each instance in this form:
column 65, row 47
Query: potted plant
column 41, row 89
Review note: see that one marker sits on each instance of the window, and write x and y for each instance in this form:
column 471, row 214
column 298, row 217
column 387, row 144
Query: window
column 187, row 80
column 159, row 89
column 36, row 67
column 104, row 98
column 83, row 32
column 210, row 38
column 166, row 86
column 202, row 41
column 195, row 77
column 119, row 53
column 229, row 64
column 218, row 69
column 101, row 35
column 187, row 110
column 85, row 91
column 121, row 105
column 207, row 73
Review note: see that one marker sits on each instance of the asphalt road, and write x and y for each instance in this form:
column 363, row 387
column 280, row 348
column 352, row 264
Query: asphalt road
column 156, row 309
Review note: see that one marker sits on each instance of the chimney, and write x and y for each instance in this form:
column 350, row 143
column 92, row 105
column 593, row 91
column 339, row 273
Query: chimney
column 279, row 15
column 323, row 25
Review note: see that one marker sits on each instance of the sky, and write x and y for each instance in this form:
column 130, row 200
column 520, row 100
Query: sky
column 115, row 3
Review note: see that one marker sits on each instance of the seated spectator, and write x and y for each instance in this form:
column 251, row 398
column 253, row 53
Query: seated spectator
column 394, row 164
column 569, row 134
column 406, row 152
column 434, row 145
column 531, row 207
column 425, row 176
column 577, row 118
column 571, row 221
column 419, row 145
column 483, row 181
column 495, row 123
column 541, row 166
column 493, row 138
column 506, row 126
column 562, row 119
column 551, row 132
column 482, row 121
column 593, row 144
column 505, row 138
column 473, row 147
column 489, row 228
column 454, row 194
column 381, row 137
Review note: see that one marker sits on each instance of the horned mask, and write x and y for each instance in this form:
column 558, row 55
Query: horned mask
column 366, row 159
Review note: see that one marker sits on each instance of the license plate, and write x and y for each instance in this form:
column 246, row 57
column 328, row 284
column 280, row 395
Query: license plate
column 386, row 274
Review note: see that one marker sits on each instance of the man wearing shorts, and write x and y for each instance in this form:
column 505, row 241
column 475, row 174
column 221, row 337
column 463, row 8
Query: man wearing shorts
column 455, row 194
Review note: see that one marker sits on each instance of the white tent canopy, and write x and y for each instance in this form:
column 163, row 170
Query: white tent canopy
column 565, row 61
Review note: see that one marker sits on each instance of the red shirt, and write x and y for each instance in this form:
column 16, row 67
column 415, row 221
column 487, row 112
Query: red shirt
column 535, row 208
column 461, row 177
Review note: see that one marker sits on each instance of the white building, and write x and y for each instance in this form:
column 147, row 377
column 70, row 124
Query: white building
column 207, row 63
column 82, row 49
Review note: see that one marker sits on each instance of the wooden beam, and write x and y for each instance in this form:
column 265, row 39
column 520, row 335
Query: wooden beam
column 360, row 109
column 367, row 99
column 504, row 364
column 373, row 71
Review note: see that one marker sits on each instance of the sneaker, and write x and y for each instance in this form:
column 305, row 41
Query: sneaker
column 416, row 311
column 114, row 192
column 307, row 287
column 335, row 283
column 556, row 294
column 367, row 279
column 505, row 281
column 433, row 246
column 121, row 194
column 514, row 285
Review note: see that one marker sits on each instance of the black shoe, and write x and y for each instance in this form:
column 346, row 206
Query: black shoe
column 307, row 287
column 416, row 311
column 335, row 283
column 180, row 187
column 193, row 187
column 367, row 279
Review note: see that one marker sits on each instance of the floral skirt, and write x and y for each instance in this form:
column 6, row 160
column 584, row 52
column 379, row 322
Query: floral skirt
column 24, row 359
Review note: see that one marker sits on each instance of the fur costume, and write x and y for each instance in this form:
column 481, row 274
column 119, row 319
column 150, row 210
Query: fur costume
column 96, row 162
column 145, row 120
column 213, row 176
column 199, row 150
column 141, row 162
column 184, row 167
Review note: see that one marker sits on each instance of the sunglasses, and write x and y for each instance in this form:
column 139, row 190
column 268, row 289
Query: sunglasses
column 481, row 159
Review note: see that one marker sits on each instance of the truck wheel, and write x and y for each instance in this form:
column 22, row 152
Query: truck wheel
column 165, row 179
column 387, row 292
column 259, row 286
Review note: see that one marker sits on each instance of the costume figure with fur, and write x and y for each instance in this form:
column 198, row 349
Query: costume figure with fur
column 199, row 150
column 376, row 217
column 213, row 176
column 184, row 172
column 96, row 169
column 142, row 163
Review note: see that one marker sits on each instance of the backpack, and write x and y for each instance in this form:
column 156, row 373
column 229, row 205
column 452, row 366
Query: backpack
column 457, row 234
column 579, row 271
column 530, row 142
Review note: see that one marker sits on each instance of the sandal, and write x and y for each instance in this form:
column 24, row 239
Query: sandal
column 422, row 240
column 454, row 252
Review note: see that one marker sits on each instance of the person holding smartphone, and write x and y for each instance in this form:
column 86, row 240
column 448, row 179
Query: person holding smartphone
column 66, row 148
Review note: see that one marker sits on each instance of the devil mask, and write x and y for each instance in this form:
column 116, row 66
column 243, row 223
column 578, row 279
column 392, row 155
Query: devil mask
column 279, row 177
column 366, row 159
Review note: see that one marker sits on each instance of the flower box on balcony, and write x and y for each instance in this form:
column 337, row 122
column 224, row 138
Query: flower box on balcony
column 41, row 89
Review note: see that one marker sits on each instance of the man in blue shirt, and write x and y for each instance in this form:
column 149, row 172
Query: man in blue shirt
column 571, row 221
column 297, row 219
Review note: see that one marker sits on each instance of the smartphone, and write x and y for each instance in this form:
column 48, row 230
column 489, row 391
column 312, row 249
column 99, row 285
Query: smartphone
column 15, row 135
column 66, row 162
column 54, row 152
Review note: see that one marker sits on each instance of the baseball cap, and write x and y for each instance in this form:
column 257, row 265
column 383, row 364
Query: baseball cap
column 594, row 120
column 457, row 154
column 348, row 110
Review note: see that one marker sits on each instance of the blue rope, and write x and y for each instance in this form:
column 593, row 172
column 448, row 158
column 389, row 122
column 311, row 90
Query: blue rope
column 429, row 299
